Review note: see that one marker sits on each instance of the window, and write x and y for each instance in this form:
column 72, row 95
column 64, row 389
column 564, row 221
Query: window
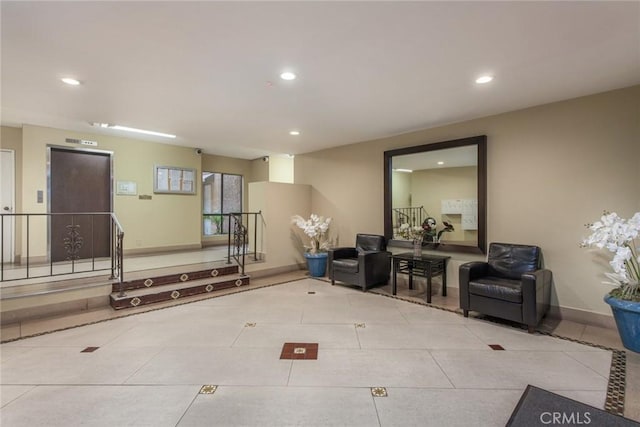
column 221, row 194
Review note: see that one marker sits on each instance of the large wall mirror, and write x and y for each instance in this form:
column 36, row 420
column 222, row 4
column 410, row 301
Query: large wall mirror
column 440, row 187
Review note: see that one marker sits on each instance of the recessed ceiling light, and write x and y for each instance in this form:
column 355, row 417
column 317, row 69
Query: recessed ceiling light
column 294, row 132
column 441, row 163
column 288, row 75
column 484, row 79
column 70, row 81
column 403, row 170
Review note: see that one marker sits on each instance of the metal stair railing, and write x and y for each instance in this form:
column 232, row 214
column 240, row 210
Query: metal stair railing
column 75, row 239
column 238, row 234
column 413, row 215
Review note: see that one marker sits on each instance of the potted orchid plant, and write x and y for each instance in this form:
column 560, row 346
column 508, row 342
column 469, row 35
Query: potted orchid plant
column 316, row 228
column 620, row 237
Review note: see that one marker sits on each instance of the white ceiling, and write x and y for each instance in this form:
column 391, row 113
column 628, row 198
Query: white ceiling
column 208, row 71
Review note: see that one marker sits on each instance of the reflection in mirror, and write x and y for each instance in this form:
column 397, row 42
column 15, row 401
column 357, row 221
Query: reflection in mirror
column 440, row 190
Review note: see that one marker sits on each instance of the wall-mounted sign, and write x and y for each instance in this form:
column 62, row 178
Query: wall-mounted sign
column 126, row 188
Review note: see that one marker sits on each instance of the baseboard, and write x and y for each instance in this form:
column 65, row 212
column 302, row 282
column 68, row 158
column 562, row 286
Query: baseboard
column 257, row 272
column 219, row 242
column 148, row 251
column 582, row 316
column 55, row 309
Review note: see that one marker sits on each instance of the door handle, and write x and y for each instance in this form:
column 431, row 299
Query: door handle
column 7, row 208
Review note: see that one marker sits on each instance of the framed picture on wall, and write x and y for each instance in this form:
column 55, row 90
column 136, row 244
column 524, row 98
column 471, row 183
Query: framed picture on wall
column 174, row 180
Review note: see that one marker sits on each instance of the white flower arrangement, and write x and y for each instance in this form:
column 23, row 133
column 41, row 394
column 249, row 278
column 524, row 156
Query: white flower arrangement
column 411, row 233
column 618, row 236
column 316, row 227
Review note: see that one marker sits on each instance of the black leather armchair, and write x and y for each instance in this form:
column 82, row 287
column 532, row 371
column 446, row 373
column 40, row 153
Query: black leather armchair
column 366, row 265
column 510, row 285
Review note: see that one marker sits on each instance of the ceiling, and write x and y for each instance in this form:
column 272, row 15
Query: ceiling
column 208, row 72
column 438, row 159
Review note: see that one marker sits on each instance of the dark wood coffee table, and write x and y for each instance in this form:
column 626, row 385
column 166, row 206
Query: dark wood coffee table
column 427, row 266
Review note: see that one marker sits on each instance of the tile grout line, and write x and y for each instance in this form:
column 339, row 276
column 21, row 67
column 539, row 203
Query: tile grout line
column 187, row 408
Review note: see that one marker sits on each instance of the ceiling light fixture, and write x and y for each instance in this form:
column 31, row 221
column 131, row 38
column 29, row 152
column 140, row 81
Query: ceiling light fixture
column 135, row 130
column 403, row 170
column 70, row 81
column 484, row 79
column 288, row 75
column 294, row 132
column 441, row 163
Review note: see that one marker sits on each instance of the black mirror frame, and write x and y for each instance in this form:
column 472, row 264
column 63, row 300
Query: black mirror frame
column 481, row 143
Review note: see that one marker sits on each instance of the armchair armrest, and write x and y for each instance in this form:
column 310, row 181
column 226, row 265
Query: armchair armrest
column 536, row 295
column 467, row 272
column 375, row 266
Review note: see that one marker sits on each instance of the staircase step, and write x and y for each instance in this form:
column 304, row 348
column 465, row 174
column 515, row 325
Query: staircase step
column 175, row 278
column 174, row 291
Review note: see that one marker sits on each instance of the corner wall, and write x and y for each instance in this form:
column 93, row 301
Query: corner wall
column 282, row 244
column 551, row 169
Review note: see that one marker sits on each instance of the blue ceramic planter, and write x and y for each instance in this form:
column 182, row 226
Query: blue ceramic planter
column 627, row 315
column 317, row 263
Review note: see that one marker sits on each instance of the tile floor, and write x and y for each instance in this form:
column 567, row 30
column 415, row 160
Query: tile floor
column 217, row 362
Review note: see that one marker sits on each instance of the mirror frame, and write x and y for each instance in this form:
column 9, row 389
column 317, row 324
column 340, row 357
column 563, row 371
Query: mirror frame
column 481, row 143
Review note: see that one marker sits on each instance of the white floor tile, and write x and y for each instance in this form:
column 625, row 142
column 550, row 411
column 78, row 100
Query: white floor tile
column 11, row 392
column 369, row 368
column 283, row 406
column 179, row 334
column 68, row 365
column 517, row 369
column 66, row 406
column 599, row 361
column 519, row 339
column 273, row 335
column 426, row 336
column 427, row 407
column 219, row 366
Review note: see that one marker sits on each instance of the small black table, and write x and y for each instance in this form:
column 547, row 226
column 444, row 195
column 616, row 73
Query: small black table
column 428, row 266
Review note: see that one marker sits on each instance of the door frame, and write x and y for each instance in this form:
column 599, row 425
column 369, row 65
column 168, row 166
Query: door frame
column 12, row 221
column 76, row 149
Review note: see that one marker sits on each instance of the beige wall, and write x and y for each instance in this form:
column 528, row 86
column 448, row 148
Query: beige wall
column 165, row 221
column 551, row 169
column 401, row 189
column 259, row 170
column 430, row 186
column 281, row 169
column 281, row 241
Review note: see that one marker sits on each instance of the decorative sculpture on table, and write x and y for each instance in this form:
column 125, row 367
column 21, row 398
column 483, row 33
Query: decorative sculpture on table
column 431, row 235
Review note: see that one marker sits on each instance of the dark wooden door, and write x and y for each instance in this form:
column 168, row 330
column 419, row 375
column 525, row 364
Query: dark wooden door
column 80, row 183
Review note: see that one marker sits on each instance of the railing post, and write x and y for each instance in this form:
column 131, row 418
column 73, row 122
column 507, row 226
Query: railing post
column 255, row 236
column 229, row 239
